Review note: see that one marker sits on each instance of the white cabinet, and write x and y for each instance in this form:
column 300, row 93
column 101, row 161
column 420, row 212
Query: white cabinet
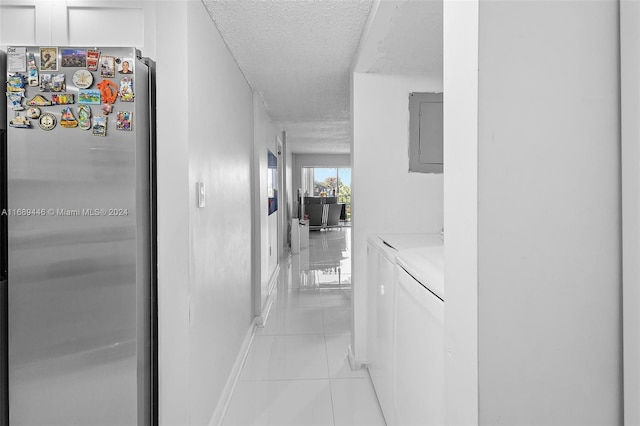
column 419, row 361
column 381, row 270
column 295, row 236
column 405, row 339
column 299, row 235
column 304, row 234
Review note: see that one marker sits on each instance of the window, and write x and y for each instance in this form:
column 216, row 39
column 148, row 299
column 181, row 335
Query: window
column 330, row 182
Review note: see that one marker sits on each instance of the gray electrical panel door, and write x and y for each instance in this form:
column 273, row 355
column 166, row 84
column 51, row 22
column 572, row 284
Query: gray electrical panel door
column 426, row 133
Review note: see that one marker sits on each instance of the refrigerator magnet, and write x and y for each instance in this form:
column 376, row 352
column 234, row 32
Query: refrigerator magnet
column 33, row 112
column 89, row 96
column 100, row 125
column 16, row 58
column 126, row 89
column 84, row 117
column 123, row 121
column 68, row 120
column 62, row 99
column 58, row 83
column 49, row 59
column 39, row 100
column 74, row 58
column 15, row 83
column 47, row 121
column 20, row 122
column 82, row 79
column 52, row 83
column 125, row 67
column 92, row 59
column 107, row 66
column 16, row 100
column 108, row 91
column 32, row 76
column 45, row 82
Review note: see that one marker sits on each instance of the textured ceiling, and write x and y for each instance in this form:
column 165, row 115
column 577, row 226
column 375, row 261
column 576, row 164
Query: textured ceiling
column 327, row 137
column 413, row 42
column 297, row 54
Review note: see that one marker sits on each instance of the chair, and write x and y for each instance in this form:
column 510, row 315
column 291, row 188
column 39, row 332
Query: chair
column 312, row 200
column 314, row 211
column 323, row 215
column 330, row 200
column 333, row 215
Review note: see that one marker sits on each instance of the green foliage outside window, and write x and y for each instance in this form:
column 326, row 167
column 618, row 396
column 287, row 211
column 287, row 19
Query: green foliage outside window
column 329, row 185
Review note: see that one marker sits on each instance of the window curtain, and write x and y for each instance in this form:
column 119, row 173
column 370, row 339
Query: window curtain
column 307, row 181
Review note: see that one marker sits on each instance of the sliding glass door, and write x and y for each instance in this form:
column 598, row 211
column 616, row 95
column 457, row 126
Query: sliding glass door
column 328, row 182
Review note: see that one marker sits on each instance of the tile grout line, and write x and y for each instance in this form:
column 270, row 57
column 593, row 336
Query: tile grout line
column 326, row 353
column 288, row 380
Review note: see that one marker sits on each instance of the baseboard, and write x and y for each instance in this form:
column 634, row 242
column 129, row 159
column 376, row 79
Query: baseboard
column 273, row 281
column 355, row 364
column 232, row 380
column 268, row 302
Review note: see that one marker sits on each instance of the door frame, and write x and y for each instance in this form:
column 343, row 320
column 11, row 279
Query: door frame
column 630, row 199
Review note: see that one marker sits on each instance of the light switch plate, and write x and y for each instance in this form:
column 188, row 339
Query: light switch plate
column 201, row 194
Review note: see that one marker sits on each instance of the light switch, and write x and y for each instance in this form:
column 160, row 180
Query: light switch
column 201, row 194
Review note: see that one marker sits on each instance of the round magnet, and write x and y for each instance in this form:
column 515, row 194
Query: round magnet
column 47, row 121
column 33, row 112
column 82, row 79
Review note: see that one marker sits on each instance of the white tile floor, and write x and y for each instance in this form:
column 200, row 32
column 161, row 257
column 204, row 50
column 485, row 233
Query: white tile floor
column 297, row 371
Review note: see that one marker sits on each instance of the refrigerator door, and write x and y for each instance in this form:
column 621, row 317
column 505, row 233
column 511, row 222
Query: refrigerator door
column 78, row 260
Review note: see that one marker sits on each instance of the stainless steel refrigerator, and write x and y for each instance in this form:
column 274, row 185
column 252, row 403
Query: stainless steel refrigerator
column 80, row 229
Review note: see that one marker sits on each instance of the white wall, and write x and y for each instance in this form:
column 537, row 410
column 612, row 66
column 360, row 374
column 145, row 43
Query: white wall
column 461, row 210
column 174, row 246
column 630, row 69
column 205, row 331
column 386, row 198
column 549, row 213
column 266, row 242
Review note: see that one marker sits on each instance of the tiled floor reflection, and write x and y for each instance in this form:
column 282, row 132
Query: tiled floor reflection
column 297, row 371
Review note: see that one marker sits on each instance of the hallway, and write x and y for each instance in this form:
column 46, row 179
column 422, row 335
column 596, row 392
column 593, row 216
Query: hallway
column 297, row 371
